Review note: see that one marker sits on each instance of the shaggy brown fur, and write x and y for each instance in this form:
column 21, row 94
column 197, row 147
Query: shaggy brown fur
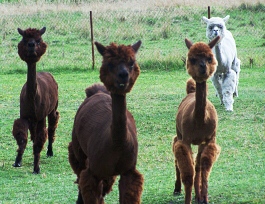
column 38, row 100
column 196, row 123
column 104, row 138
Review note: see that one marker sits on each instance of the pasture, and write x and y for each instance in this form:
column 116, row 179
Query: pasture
column 237, row 176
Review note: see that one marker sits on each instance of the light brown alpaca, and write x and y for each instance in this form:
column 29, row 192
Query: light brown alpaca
column 196, row 124
column 104, row 138
column 38, row 100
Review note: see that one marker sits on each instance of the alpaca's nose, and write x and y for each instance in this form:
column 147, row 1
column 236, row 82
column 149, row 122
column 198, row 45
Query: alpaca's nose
column 123, row 73
column 31, row 44
column 215, row 32
column 202, row 68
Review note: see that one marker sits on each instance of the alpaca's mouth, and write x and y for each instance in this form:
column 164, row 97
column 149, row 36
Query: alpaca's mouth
column 121, row 85
column 32, row 54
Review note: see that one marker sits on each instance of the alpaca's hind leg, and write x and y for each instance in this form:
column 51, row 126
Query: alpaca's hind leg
column 183, row 155
column 236, row 68
column 131, row 187
column 53, row 118
column 20, row 133
column 40, row 139
column 177, row 189
column 209, row 155
column 217, row 85
column 91, row 188
column 77, row 164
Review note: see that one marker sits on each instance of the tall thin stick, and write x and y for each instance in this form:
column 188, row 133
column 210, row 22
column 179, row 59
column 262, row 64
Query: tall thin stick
column 209, row 12
column 92, row 40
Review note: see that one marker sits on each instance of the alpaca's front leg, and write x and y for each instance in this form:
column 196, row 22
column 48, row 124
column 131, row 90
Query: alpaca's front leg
column 53, row 118
column 20, row 133
column 91, row 188
column 131, row 187
column 228, row 89
column 197, row 181
column 208, row 157
column 183, row 155
column 40, row 139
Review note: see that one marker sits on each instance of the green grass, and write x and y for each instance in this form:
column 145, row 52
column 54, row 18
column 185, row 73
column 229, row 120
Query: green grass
column 238, row 175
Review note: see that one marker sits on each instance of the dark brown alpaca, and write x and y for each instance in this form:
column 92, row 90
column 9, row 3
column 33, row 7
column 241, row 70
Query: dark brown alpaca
column 104, row 138
column 196, row 124
column 38, row 99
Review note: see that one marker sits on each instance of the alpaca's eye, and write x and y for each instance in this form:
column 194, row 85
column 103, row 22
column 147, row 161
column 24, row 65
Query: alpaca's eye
column 192, row 61
column 211, row 27
column 131, row 64
column 38, row 41
column 210, row 60
column 220, row 26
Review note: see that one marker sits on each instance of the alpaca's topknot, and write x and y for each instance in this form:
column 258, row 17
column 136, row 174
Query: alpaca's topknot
column 200, row 49
column 121, row 53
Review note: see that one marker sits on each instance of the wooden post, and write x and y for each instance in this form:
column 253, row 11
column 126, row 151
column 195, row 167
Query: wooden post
column 92, row 40
column 209, row 12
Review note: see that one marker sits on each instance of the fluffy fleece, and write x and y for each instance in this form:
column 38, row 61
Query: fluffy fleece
column 196, row 124
column 104, row 137
column 228, row 69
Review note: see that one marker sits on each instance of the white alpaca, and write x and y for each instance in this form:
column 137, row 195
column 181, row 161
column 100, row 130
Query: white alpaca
column 226, row 77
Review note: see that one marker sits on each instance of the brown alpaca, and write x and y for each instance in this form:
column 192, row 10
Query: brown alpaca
column 38, row 99
column 196, row 124
column 104, row 138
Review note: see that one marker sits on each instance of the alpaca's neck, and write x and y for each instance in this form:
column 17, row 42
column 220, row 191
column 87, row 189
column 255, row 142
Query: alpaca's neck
column 119, row 119
column 200, row 104
column 31, row 82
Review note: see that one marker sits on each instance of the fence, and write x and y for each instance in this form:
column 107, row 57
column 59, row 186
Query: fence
column 162, row 30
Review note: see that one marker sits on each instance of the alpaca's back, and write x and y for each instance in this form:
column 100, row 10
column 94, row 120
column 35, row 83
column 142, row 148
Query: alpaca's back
column 95, row 89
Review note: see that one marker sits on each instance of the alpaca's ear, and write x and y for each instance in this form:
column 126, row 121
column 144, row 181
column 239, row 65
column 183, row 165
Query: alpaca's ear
column 42, row 31
column 136, row 46
column 206, row 20
column 20, row 31
column 101, row 48
column 226, row 18
column 188, row 43
column 213, row 42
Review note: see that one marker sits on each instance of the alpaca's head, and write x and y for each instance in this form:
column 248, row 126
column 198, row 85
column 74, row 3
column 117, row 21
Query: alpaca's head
column 119, row 69
column 31, row 47
column 201, row 63
column 215, row 27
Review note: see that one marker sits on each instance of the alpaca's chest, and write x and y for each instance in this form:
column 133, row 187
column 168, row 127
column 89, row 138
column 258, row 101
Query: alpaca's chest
column 197, row 134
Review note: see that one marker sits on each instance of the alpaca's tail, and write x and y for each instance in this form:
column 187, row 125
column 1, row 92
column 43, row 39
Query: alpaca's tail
column 190, row 86
column 95, row 89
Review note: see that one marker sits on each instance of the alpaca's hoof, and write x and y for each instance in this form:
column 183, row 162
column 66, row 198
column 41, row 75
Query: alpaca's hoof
column 19, row 164
column 49, row 153
column 36, row 171
column 176, row 193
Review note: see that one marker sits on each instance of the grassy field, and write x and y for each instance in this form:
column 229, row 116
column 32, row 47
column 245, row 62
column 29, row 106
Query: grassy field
column 238, row 175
